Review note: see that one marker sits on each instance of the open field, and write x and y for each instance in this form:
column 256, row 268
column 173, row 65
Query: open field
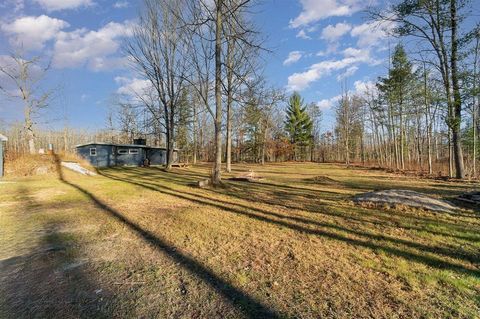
column 142, row 243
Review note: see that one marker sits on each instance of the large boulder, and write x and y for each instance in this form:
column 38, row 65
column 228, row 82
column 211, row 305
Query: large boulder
column 393, row 197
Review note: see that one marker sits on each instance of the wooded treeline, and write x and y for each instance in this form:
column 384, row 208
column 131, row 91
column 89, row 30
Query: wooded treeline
column 423, row 114
column 203, row 92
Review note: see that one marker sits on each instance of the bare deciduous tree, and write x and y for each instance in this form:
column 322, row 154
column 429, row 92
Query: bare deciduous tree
column 23, row 83
column 157, row 49
column 436, row 25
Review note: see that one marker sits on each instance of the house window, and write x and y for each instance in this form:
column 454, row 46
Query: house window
column 122, row 151
column 93, row 151
column 133, row 151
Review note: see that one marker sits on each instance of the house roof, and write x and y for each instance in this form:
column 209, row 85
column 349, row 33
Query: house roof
column 3, row 138
column 122, row 145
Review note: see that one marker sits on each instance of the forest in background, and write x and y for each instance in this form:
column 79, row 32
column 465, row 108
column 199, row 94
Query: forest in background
column 207, row 95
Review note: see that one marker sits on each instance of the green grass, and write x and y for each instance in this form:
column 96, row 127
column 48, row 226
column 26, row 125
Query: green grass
column 140, row 242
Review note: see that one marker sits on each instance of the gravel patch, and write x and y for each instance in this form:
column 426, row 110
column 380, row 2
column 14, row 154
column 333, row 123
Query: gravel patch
column 405, row 197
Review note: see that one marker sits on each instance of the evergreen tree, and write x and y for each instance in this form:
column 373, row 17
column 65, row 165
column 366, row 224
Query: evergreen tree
column 397, row 89
column 298, row 123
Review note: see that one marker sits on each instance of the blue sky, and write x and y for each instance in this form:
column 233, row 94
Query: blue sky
column 315, row 44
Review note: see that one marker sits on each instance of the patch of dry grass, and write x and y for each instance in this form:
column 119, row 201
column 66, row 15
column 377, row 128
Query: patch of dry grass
column 39, row 164
column 140, row 242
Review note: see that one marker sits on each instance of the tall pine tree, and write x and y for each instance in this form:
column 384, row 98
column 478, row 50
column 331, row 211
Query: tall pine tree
column 298, row 123
column 397, row 89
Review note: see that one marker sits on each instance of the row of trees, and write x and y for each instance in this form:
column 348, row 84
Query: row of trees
column 408, row 118
column 206, row 96
column 196, row 55
column 201, row 62
column 403, row 121
column 443, row 42
column 424, row 112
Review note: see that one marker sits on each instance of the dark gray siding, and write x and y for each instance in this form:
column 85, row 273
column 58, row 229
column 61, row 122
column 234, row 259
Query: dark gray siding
column 105, row 154
column 157, row 156
column 108, row 155
column 129, row 158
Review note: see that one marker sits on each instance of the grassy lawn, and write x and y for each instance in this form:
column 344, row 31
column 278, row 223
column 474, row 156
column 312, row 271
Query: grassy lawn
column 142, row 243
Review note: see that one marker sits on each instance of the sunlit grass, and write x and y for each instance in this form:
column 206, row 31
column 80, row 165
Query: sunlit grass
column 155, row 246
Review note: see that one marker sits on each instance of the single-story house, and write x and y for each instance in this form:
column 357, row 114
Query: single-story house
column 109, row 154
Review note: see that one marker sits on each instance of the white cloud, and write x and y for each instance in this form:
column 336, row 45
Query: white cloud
column 364, row 87
column 300, row 81
column 121, row 4
column 326, row 104
column 31, row 33
column 360, row 88
column 332, row 33
column 132, row 87
column 293, row 57
column 303, row 35
column 56, row 5
column 11, row 66
column 348, row 73
column 90, row 47
column 371, row 33
column 95, row 48
column 316, row 10
column 360, row 54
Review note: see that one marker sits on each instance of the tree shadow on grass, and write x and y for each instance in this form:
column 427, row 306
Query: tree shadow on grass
column 50, row 280
column 290, row 197
column 247, row 191
column 284, row 191
column 388, row 183
column 248, row 305
column 432, row 260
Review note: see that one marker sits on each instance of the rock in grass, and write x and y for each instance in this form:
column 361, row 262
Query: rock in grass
column 203, row 183
column 408, row 198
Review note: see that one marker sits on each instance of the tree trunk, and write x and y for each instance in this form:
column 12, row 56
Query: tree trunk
column 474, row 128
column 450, row 153
column 30, row 135
column 457, row 99
column 195, row 139
column 264, row 146
column 65, row 139
column 228, row 157
column 428, row 123
column 217, row 173
column 170, row 121
column 402, row 139
column 393, row 135
column 169, row 148
column 474, row 111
